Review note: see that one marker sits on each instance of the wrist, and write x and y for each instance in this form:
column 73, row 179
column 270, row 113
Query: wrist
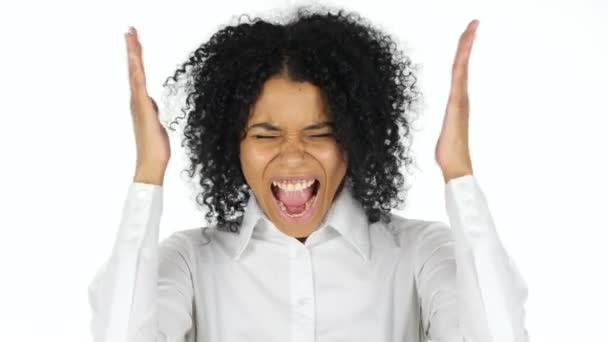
column 149, row 178
column 449, row 175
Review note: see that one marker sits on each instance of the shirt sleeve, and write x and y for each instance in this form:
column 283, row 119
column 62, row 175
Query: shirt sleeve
column 143, row 291
column 469, row 287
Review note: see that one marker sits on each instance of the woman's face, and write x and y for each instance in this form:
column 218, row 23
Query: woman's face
column 290, row 157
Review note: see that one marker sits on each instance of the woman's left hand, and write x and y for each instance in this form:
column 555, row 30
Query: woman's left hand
column 452, row 149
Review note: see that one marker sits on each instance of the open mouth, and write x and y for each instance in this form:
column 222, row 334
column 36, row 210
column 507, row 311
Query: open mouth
column 295, row 199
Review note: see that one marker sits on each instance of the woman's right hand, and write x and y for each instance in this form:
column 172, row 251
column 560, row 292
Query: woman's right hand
column 153, row 149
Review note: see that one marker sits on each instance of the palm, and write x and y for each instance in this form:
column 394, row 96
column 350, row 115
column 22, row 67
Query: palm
column 452, row 149
column 152, row 141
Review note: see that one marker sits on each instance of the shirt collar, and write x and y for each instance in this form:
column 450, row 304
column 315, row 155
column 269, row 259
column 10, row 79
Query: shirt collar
column 346, row 216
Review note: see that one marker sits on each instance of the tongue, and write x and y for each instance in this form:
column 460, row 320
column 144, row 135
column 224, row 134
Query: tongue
column 294, row 201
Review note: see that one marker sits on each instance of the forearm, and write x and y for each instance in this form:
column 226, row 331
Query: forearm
column 493, row 290
column 124, row 290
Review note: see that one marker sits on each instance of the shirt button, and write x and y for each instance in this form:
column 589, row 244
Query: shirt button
column 141, row 194
column 136, row 208
column 302, row 301
column 134, row 232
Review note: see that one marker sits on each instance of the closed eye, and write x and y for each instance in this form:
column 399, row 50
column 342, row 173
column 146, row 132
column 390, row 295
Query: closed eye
column 258, row 136
column 321, row 135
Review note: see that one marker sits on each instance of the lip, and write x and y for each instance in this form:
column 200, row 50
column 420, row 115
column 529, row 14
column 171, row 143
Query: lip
column 294, row 178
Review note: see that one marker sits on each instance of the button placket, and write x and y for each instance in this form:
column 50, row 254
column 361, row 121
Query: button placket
column 302, row 294
column 293, row 251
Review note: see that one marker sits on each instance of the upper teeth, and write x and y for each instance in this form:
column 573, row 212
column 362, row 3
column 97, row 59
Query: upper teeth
column 296, row 186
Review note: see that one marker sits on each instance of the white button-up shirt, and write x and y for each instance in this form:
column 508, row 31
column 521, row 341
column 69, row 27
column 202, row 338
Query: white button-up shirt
column 410, row 280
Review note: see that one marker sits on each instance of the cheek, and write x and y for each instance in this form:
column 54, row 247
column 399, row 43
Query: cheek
column 332, row 159
column 254, row 160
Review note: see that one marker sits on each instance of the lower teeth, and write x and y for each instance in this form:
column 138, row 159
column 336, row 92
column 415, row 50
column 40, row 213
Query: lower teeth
column 306, row 207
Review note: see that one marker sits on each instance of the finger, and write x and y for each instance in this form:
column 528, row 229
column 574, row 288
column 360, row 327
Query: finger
column 137, row 79
column 465, row 44
column 460, row 67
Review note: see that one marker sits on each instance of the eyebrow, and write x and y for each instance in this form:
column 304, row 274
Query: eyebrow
column 312, row 127
column 265, row 125
column 319, row 125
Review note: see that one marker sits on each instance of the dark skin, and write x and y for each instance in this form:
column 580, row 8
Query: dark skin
column 452, row 149
column 287, row 110
column 289, row 133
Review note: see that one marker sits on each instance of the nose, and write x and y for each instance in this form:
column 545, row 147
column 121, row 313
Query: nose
column 293, row 152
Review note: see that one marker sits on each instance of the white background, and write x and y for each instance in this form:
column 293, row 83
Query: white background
column 538, row 92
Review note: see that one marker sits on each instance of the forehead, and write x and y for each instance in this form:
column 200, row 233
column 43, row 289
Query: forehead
column 288, row 103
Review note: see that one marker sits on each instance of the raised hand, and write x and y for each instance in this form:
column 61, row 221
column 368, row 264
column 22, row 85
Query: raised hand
column 153, row 149
column 452, row 149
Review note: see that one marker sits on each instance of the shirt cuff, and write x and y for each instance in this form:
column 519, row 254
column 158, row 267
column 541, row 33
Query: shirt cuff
column 469, row 214
column 142, row 209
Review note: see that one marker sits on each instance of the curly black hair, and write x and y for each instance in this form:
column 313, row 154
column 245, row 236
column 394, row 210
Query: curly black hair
column 367, row 82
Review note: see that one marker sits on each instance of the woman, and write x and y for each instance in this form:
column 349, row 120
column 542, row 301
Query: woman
column 296, row 133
